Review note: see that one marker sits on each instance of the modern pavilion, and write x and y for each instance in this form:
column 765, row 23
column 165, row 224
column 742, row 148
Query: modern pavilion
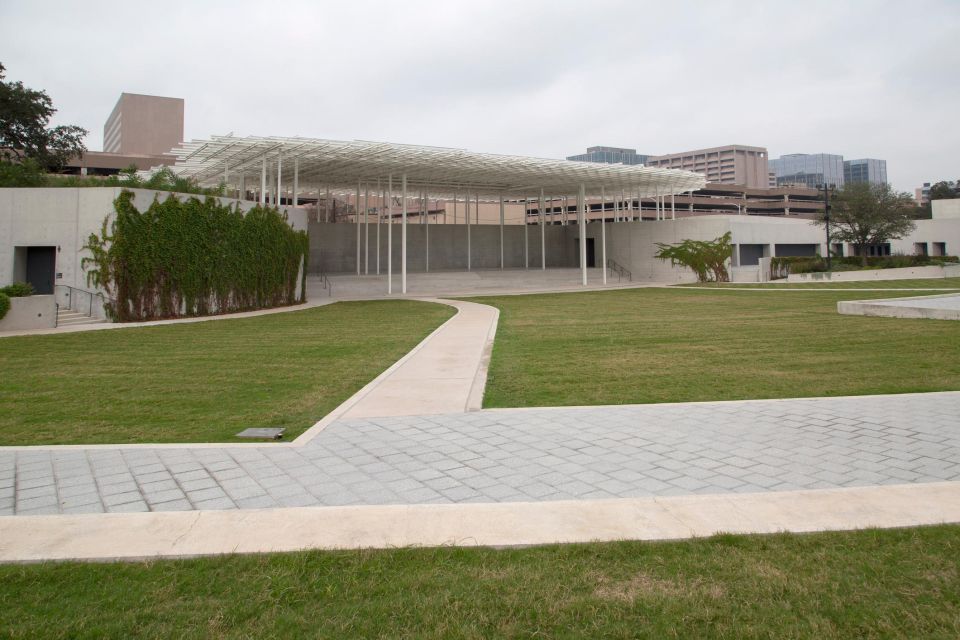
column 314, row 166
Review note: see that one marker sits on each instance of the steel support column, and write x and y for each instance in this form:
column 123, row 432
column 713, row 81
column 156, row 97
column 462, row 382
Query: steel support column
column 390, row 233
column 603, row 233
column 581, row 202
column 263, row 182
column 356, row 214
column 296, row 182
column 403, row 234
column 543, row 235
column 501, row 232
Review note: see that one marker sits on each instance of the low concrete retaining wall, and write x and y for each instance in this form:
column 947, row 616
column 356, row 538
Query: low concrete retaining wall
column 30, row 312
column 745, row 274
column 945, row 307
column 906, row 273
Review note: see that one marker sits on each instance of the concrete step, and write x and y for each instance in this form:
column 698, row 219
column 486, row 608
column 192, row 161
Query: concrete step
column 69, row 318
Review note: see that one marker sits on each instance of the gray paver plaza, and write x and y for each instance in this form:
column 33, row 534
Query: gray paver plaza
column 515, row 455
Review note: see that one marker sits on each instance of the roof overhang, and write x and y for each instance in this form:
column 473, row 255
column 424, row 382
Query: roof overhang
column 442, row 172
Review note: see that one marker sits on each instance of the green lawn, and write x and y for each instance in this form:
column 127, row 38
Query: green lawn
column 921, row 283
column 677, row 344
column 868, row 584
column 205, row 381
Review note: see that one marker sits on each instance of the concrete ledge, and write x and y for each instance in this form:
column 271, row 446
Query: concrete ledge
column 940, row 307
column 182, row 534
column 29, row 313
column 906, row 273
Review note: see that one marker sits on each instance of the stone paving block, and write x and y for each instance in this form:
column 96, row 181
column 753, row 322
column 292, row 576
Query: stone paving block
column 217, row 504
column 137, row 506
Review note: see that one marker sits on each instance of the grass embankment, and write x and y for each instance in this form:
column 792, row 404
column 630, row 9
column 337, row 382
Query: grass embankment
column 868, row 584
column 205, row 381
column 920, row 283
column 677, row 345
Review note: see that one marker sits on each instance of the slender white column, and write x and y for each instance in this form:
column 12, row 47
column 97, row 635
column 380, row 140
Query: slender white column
column 326, row 205
column 543, row 235
column 616, row 206
column 356, row 214
column 366, row 231
column 623, row 196
column 263, row 182
column 296, row 182
column 379, row 220
column 501, row 232
column 476, row 212
column 242, row 191
column 454, row 207
column 403, row 235
column 466, row 213
column 603, row 233
column 426, row 231
column 673, row 207
column 279, row 177
column 526, row 235
column 390, row 234
column 581, row 201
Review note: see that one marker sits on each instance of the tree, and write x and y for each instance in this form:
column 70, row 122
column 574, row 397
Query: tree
column 24, row 114
column 704, row 257
column 866, row 215
column 944, row 190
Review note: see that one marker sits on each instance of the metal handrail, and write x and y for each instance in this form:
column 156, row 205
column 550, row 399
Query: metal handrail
column 619, row 269
column 325, row 282
column 91, row 294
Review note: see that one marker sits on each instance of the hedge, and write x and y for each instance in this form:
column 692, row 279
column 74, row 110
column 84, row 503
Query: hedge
column 193, row 258
column 4, row 304
column 781, row 267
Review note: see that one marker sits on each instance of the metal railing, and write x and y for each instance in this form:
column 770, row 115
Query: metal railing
column 74, row 304
column 325, row 282
column 619, row 269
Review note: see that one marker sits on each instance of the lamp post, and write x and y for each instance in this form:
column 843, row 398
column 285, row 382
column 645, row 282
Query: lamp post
column 826, row 219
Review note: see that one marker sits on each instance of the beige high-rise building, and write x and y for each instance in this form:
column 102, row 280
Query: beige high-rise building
column 144, row 125
column 732, row 164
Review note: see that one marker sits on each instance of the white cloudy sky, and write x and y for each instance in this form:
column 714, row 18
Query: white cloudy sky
column 544, row 78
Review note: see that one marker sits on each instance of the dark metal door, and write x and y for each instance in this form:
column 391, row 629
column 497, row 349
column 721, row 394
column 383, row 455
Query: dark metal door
column 41, row 267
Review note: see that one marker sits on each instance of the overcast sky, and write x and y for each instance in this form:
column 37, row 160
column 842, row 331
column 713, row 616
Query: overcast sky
column 860, row 79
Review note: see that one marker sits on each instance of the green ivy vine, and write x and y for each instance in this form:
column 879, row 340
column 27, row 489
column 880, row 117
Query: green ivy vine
column 194, row 258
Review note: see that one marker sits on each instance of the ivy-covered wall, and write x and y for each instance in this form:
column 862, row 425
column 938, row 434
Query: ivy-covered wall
column 195, row 257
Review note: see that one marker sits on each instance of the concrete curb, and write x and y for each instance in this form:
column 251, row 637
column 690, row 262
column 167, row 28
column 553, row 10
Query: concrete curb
column 139, row 536
column 893, row 308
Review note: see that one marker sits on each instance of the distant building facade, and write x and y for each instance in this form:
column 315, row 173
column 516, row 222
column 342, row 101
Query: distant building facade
column 610, row 155
column 144, row 125
column 732, row 164
column 868, row 170
column 139, row 130
column 809, row 169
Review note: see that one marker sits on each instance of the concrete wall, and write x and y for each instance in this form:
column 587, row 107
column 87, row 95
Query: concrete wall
column 945, row 209
column 30, row 312
column 333, row 247
column 631, row 244
column 906, row 273
column 65, row 218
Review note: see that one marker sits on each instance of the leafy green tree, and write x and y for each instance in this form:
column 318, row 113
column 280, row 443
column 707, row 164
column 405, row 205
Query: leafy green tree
column 707, row 259
column 865, row 215
column 944, row 190
column 24, row 114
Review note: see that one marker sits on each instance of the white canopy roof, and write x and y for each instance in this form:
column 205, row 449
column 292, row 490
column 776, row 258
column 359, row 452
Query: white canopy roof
column 441, row 172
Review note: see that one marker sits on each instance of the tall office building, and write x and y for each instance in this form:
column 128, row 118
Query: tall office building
column 144, row 125
column 865, row 170
column 610, row 155
column 809, row 169
column 732, row 164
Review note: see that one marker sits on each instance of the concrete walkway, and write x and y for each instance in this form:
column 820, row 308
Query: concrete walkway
column 445, row 374
column 432, row 471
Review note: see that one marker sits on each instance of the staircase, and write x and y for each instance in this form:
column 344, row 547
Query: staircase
column 70, row 318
